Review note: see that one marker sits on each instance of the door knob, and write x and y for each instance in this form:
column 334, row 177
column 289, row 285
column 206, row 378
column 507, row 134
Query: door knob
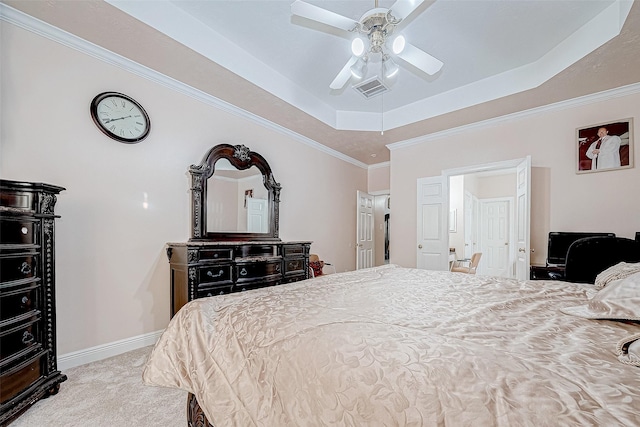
column 419, row 246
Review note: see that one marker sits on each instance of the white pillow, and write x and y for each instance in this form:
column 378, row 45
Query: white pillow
column 619, row 300
column 615, row 272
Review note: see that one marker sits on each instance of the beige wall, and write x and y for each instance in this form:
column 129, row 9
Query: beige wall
column 378, row 178
column 112, row 271
column 561, row 199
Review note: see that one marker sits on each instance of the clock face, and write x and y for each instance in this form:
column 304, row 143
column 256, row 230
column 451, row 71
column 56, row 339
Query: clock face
column 120, row 117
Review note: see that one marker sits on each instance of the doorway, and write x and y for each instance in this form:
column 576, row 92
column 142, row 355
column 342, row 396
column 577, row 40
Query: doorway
column 483, row 204
column 372, row 223
column 441, row 216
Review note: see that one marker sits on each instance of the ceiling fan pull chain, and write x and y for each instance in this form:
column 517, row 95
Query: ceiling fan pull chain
column 381, row 102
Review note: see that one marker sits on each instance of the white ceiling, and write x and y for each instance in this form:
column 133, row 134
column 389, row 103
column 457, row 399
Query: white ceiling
column 525, row 42
column 500, row 56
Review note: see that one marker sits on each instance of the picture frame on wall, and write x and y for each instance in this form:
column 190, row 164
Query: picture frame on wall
column 605, row 146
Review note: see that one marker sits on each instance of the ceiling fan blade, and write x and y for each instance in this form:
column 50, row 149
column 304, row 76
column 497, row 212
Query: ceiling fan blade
column 315, row 13
column 403, row 8
column 344, row 75
column 420, row 59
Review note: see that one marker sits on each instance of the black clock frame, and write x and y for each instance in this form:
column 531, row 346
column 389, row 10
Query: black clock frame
column 94, row 116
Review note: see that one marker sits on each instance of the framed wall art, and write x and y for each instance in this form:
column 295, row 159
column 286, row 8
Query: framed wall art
column 605, row 146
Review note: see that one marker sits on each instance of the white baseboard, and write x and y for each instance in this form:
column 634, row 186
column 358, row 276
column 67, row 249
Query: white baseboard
column 93, row 354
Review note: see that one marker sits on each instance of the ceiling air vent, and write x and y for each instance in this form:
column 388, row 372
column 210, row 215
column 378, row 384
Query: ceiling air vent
column 371, row 87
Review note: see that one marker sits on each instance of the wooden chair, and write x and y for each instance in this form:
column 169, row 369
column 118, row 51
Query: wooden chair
column 316, row 266
column 471, row 267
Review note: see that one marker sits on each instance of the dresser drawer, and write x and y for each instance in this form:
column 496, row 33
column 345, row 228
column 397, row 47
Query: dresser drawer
column 246, row 251
column 294, row 278
column 292, row 250
column 18, row 378
column 247, row 286
column 215, row 274
column 210, row 291
column 258, row 270
column 19, row 339
column 18, row 231
column 293, row 266
column 18, row 267
column 19, row 301
column 18, row 200
column 215, row 254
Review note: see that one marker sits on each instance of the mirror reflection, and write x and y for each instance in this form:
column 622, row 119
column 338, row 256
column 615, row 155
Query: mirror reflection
column 237, row 200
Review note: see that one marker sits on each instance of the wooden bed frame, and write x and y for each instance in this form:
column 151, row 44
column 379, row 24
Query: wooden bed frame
column 195, row 415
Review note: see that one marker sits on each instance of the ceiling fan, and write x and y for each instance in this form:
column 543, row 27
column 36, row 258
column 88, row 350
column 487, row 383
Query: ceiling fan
column 378, row 26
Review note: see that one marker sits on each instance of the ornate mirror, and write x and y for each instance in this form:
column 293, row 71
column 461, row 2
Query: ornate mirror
column 234, row 196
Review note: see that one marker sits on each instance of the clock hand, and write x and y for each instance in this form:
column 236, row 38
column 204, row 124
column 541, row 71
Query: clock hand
column 113, row 120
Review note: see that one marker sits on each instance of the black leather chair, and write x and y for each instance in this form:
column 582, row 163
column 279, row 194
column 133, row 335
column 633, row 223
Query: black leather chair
column 588, row 257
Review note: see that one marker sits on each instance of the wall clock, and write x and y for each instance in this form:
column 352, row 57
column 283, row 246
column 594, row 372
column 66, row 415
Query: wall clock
column 120, row 117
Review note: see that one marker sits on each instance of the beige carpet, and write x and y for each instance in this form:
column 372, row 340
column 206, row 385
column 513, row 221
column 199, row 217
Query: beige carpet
column 109, row 393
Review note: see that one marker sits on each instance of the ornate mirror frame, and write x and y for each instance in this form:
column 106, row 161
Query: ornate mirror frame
column 241, row 158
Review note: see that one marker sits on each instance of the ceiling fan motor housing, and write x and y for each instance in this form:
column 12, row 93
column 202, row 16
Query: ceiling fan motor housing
column 377, row 25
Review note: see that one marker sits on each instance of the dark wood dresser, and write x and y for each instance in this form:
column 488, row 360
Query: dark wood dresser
column 204, row 269
column 28, row 360
column 247, row 252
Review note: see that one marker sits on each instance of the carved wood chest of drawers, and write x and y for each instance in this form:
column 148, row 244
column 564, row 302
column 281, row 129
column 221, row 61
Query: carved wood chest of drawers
column 28, row 361
column 203, row 269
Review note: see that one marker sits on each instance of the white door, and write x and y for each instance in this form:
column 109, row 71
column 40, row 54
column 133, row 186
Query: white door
column 522, row 221
column 495, row 238
column 365, row 237
column 257, row 215
column 433, row 227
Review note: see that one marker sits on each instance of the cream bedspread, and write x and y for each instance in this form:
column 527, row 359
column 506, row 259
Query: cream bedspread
column 391, row 346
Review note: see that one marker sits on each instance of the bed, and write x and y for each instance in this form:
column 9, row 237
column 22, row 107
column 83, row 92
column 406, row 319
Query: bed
column 393, row 346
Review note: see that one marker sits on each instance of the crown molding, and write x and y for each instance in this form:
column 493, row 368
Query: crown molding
column 34, row 25
column 606, row 95
column 379, row 165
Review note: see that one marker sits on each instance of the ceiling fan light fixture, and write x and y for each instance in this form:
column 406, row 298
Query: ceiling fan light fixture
column 398, row 44
column 390, row 68
column 359, row 69
column 357, row 46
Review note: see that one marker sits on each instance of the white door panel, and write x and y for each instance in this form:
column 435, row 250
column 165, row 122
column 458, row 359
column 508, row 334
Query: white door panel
column 495, row 238
column 433, row 236
column 364, row 225
column 523, row 223
column 257, row 213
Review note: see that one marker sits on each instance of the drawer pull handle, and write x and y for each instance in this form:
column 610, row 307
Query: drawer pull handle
column 293, row 265
column 210, row 273
column 25, row 268
column 27, row 338
column 25, row 300
column 243, row 272
column 278, row 268
column 24, row 230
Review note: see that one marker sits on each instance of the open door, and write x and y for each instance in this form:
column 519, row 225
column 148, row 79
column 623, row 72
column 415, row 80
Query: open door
column 365, row 236
column 433, row 227
column 523, row 223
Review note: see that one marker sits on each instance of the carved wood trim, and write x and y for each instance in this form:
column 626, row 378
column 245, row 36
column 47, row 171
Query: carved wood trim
column 241, row 158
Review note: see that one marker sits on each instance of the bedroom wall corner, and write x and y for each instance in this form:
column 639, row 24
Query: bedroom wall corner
column 124, row 202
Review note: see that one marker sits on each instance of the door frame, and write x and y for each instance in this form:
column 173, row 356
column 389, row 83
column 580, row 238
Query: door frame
column 505, row 164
